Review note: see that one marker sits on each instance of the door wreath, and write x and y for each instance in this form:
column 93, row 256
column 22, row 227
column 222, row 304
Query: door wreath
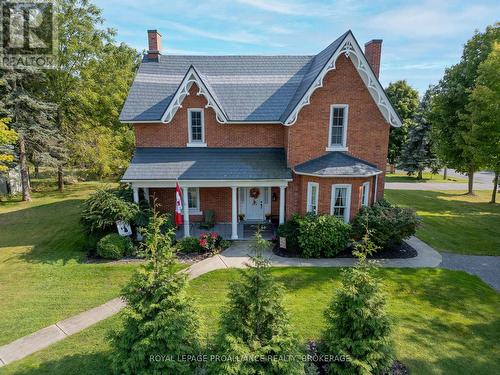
column 254, row 194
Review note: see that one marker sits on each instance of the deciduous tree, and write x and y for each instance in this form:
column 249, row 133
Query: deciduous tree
column 8, row 137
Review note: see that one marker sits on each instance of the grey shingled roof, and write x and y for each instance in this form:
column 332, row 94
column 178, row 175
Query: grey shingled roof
column 337, row 163
column 248, row 88
column 191, row 163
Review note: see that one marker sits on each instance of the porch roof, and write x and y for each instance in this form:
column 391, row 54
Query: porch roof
column 337, row 164
column 192, row 163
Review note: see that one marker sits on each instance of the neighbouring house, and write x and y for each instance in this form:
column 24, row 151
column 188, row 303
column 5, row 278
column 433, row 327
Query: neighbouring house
column 260, row 137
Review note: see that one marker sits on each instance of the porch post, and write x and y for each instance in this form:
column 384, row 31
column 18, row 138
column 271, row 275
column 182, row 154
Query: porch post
column 282, row 205
column 185, row 206
column 146, row 194
column 234, row 213
column 376, row 188
column 136, row 194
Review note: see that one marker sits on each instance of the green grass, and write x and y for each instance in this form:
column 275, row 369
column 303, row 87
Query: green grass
column 43, row 274
column 435, row 331
column 426, row 177
column 453, row 221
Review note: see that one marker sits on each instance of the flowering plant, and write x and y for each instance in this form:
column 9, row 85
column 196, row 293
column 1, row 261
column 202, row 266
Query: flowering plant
column 210, row 241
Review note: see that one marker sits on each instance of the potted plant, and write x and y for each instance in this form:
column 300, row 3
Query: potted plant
column 268, row 216
column 241, row 216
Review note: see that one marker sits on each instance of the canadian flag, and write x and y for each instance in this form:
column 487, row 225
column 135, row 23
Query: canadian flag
column 178, row 205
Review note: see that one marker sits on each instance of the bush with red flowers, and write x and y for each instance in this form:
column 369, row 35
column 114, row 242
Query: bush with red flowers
column 210, row 241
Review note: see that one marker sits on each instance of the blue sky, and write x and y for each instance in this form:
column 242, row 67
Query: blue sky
column 420, row 38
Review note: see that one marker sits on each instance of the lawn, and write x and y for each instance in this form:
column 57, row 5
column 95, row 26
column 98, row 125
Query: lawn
column 43, row 274
column 453, row 221
column 426, row 177
column 435, row 332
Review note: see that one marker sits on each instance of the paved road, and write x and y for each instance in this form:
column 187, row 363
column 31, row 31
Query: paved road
column 482, row 181
column 486, row 267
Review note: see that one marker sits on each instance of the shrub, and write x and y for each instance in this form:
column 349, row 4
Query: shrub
column 389, row 224
column 114, row 246
column 256, row 324
column 189, row 245
column 290, row 230
column 103, row 208
column 160, row 317
column 210, row 241
column 322, row 235
column 225, row 244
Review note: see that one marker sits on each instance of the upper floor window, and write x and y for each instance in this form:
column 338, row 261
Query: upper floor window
column 337, row 138
column 312, row 197
column 196, row 125
column 365, row 192
column 341, row 201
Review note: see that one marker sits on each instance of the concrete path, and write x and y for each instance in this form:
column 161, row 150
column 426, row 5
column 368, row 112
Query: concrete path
column 234, row 257
column 486, row 267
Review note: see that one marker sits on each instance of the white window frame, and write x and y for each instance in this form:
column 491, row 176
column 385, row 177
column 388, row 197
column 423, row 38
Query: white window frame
column 343, row 146
column 310, row 185
column 365, row 189
column 192, row 143
column 347, row 210
column 195, row 210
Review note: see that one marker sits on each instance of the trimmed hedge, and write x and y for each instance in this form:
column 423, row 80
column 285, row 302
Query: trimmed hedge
column 313, row 236
column 388, row 224
column 114, row 246
column 189, row 245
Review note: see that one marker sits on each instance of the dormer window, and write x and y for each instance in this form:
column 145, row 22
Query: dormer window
column 337, row 136
column 196, row 126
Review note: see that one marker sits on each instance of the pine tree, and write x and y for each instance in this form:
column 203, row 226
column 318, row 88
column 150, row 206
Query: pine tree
column 418, row 152
column 160, row 318
column 358, row 329
column 31, row 118
column 256, row 325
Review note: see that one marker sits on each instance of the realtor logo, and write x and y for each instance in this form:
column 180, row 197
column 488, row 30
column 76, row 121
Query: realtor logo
column 28, row 35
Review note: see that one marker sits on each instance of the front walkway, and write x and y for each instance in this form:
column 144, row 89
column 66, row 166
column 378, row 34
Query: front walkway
column 234, row 257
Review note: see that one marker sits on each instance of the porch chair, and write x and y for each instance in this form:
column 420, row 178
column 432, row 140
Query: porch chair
column 209, row 220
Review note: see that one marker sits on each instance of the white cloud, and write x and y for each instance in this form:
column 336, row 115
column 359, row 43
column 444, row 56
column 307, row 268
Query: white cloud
column 431, row 19
column 304, row 8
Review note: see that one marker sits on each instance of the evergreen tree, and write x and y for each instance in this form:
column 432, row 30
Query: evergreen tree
column 160, row 318
column 450, row 117
column 405, row 101
column 31, row 118
column 484, row 109
column 256, row 324
column 358, row 328
column 418, row 152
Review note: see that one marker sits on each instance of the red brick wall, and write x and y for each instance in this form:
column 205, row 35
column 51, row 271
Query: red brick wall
column 296, row 194
column 216, row 199
column 175, row 133
column 367, row 132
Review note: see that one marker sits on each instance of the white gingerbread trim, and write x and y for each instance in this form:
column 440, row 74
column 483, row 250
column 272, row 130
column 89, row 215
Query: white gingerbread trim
column 191, row 77
column 351, row 49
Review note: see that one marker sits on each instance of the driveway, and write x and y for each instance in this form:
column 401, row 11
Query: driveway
column 486, row 267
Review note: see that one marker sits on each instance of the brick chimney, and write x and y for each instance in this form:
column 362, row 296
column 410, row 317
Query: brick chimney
column 373, row 51
column 154, row 45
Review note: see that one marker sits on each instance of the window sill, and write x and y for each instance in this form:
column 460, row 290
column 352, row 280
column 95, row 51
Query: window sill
column 336, row 148
column 195, row 212
column 196, row 144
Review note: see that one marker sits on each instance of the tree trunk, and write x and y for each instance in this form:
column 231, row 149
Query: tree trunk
column 470, row 176
column 25, row 183
column 495, row 186
column 419, row 175
column 445, row 173
column 37, row 171
column 60, row 178
column 393, row 168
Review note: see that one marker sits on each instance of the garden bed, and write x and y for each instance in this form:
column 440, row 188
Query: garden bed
column 403, row 251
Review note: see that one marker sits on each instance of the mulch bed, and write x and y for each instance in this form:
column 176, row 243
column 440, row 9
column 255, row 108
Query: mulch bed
column 403, row 251
column 191, row 258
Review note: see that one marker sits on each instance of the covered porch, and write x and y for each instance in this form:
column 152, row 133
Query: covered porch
column 245, row 231
column 241, row 187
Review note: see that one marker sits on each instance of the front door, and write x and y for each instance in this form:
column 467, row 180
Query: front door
column 255, row 203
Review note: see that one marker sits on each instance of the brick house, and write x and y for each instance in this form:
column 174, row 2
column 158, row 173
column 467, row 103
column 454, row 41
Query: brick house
column 259, row 137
